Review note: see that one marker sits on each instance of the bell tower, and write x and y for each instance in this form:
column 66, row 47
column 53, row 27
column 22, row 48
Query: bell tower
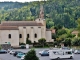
column 41, row 16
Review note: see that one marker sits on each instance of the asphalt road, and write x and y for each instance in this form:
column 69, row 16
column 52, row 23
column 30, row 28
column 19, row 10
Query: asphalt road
column 11, row 57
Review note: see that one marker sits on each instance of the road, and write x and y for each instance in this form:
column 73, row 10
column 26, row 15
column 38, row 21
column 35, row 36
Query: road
column 11, row 57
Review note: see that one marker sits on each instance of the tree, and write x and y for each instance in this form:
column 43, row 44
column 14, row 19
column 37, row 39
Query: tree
column 42, row 41
column 67, row 42
column 31, row 55
column 61, row 31
column 76, row 42
column 0, row 47
column 28, row 41
column 54, row 36
column 78, row 26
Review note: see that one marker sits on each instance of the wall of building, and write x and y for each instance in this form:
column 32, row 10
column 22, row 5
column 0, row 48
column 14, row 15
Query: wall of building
column 32, row 30
column 48, row 36
column 4, row 37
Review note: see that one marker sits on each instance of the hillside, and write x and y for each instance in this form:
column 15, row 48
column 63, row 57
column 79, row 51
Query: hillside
column 57, row 12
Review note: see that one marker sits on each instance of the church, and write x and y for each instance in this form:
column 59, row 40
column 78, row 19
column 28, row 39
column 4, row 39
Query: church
column 15, row 32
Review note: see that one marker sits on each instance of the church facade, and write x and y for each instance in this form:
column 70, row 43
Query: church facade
column 15, row 32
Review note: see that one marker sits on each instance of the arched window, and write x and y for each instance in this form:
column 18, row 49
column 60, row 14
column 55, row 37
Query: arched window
column 35, row 35
column 9, row 35
column 20, row 35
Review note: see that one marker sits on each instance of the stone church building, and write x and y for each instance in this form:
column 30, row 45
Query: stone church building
column 13, row 32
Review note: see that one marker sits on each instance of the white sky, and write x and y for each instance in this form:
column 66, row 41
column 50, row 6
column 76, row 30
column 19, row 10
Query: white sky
column 19, row 0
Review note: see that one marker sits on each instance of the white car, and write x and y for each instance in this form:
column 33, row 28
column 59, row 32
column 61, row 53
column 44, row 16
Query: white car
column 11, row 52
column 77, row 51
column 22, row 58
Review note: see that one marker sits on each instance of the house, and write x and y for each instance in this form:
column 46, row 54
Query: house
column 75, row 32
column 13, row 32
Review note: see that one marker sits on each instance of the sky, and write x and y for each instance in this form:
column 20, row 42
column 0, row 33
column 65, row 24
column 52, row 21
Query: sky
column 19, row 0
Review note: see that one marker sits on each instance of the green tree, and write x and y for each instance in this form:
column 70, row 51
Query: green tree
column 67, row 42
column 78, row 26
column 42, row 41
column 31, row 55
column 61, row 31
column 0, row 47
column 28, row 41
column 76, row 42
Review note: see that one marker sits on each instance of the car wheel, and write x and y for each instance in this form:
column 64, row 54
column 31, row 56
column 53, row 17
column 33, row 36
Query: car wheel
column 71, row 57
column 58, row 58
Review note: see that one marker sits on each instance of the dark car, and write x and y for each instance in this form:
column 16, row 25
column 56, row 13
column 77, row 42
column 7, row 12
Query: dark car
column 3, row 51
column 22, row 46
column 45, row 53
column 16, row 52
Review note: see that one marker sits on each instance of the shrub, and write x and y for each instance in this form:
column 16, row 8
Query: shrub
column 42, row 41
column 28, row 41
column 31, row 55
column 22, row 44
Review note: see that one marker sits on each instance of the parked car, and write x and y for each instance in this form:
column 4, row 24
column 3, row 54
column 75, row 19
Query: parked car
column 16, row 52
column 77, row 51
column 22, row 58
column 65, row 48
column 22, row 46
column 19, row 55
column 11, row 52
column 44, row 53
column 3, row 51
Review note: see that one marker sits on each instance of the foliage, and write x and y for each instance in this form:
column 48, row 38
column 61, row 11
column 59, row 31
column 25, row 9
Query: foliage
column 61, row 31
column 42, row 41
column 28, row 41
column 54, row 36
column 78, row 26
column 31, row 55
column 67, row 42
column 0, row 47
column 21, row 43
column 60, row 12
column 70, row 35
column 76, row 42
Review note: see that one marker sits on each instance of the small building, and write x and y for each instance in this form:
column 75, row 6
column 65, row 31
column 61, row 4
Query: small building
column 75, row 33
column 15, row 32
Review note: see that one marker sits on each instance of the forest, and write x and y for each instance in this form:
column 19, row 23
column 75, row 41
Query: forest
column 56, row 12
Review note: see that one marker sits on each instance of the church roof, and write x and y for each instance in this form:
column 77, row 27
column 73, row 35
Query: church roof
column 21, row 23
column 8, row 28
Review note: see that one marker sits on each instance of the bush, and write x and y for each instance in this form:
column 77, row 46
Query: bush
column 22, row 44
column 28, row 41
column 31, row 55
column 42, row 41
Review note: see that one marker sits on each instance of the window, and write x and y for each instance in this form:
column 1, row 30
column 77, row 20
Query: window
column 39, row 27
column 35, row 35
column 24, row 27
column 27, row 35
column 32, row 27
column 9, row 35
column 20, row 35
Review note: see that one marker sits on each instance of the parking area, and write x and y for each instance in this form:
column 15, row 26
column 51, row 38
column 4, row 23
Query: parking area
column 11, row 57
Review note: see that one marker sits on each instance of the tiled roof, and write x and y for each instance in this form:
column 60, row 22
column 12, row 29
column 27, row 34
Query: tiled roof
column 21, row 23
column 75, row 32
column 8, row 28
